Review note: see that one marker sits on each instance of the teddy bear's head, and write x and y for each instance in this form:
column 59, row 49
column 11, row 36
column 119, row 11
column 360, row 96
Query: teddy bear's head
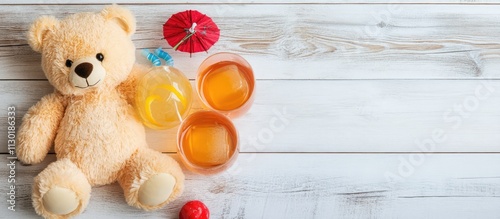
column 85, row 51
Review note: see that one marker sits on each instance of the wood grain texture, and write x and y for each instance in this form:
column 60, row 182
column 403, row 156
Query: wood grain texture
column 369, row 78
column 226, row 2
column 342, row 116
column 312, row 186
column 305, row 41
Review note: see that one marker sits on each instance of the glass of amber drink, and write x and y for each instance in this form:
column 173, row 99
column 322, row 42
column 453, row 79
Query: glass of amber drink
column 225, row 83
column 207, row 142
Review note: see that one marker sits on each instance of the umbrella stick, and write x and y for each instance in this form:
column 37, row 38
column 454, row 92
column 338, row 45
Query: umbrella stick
column 182, row 41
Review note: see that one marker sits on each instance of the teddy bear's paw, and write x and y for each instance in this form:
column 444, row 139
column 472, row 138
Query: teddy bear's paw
column 60, row 201
column 156, row 190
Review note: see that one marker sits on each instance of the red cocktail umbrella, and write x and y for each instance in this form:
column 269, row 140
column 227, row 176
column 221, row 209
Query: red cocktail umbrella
column 190, row 31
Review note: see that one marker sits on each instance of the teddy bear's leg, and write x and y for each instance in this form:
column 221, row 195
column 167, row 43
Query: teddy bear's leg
column 61, row 190
column 151, row 179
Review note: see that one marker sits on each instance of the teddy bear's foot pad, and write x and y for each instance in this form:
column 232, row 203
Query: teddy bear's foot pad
column 156, row 189
column 60, row 201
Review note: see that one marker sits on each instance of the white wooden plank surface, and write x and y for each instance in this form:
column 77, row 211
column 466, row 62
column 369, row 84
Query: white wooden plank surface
column 226, row 2
column 343, row 116
column 306, row 41
column 314, row 186
column 396, row 69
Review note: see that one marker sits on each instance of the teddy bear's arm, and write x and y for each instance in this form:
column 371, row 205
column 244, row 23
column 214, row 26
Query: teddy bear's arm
column 39, row 127
column 129, row 87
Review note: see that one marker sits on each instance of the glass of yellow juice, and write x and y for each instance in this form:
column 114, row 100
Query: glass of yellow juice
column 163, row 98
column 207, row 142
column 225, row 83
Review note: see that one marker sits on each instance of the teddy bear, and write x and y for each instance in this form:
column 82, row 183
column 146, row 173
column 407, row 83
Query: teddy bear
column 90, row 119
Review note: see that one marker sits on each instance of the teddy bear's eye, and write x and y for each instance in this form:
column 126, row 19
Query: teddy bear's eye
column 99, row 57
column 69, row 63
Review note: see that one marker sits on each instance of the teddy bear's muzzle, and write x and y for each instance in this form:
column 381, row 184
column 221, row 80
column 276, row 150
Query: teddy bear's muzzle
column 86, row 72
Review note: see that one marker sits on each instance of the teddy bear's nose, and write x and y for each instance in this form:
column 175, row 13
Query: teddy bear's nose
column 84, row 69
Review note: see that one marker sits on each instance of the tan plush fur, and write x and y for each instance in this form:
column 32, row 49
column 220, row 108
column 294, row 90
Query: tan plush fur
column 95, row 131
column 63, row 173
column 144, row 164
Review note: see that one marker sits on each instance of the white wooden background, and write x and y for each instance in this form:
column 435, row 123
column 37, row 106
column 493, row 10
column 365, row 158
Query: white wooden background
column 363, row 84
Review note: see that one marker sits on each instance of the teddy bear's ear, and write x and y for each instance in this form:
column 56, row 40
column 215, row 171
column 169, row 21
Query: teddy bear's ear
column 121, row 16
column 38, row 31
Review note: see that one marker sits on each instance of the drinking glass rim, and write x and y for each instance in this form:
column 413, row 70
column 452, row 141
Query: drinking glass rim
column 200, row 169
column 203, row 100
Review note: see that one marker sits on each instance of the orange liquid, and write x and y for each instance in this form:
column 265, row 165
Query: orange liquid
column 208, row 140
column 226, row 85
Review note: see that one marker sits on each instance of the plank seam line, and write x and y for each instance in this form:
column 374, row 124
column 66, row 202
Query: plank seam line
column 266, row 3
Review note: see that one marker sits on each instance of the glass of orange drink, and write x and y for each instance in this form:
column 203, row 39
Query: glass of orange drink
column 207, row 142
column 225, row 83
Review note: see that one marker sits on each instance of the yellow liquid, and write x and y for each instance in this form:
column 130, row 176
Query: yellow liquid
column 226, row 86
column 208, row 141
column 163, row 97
